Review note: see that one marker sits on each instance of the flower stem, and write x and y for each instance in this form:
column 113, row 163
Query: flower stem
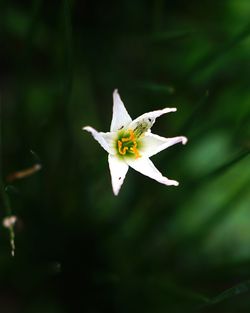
column 5, row 200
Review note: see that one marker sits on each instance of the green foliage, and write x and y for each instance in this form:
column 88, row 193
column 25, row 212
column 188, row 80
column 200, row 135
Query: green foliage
column 153, row 248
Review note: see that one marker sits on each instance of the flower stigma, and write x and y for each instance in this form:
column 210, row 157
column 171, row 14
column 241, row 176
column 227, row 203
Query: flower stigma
column 127, row 144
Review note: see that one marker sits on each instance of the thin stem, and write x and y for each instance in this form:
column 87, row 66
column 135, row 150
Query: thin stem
column 1, row 143
column 3, row 194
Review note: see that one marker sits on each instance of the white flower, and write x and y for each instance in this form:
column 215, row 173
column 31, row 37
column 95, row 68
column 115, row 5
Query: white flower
column 131, row 143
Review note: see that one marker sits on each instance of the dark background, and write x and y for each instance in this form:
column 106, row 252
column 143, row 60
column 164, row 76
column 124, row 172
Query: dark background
column 152, row 249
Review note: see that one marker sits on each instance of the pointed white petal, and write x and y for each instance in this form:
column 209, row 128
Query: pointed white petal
column 104, row 139
column 118, row 170
column 120, row 118
column 110, row 138
column 147, row 119
column 146, row 167
column 153, row 144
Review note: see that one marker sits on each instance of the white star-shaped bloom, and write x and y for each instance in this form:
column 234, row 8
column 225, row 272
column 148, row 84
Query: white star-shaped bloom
column 131, row 143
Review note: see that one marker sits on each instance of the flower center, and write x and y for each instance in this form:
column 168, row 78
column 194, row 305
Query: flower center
column 128, row 145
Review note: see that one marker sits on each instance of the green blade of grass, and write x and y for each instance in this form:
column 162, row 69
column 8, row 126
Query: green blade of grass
column 195, row 239
column 3, row 194
column 194, row 115
column 68, row 81
column 159, row 37
column 215, row 55
column 34, row 14
column 153, row 87
column 234, row 291
column 224, row 167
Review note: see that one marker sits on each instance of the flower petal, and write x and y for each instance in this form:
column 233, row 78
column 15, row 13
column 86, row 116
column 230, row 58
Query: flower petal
column 147, row 120
column 146, row 167
column 102, row 138
column 118, row 170
column 110, row 138
column 153, row 144
column 120, row 118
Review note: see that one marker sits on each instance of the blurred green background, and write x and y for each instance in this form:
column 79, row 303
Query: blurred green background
column 152, row 249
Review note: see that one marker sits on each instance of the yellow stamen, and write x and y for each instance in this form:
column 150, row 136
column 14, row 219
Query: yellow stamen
column 122, row 150
column 136, row 152
column 130, row 138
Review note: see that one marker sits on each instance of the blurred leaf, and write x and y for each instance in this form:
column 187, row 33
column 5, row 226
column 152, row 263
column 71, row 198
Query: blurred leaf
column 230, row 293
column 156, row 87
column 170, row 35
column 224, row 49
column 198, row 235
column 224, row 167
column 68, row 51
column 194, row 114
column 16, row 22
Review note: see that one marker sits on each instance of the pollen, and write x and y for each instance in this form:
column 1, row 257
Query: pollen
column 128, row 145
